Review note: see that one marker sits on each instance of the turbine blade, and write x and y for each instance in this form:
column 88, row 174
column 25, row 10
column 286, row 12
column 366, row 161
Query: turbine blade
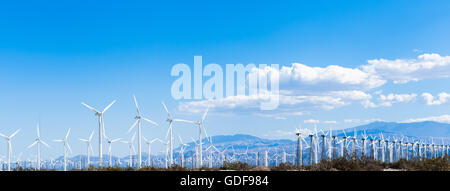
column 67, row 135
column 206, row 134
column 150, row 121
column 84, row 140
column 68, row 146
column 204, row 115
column 3, row 136
column 134, row 136
column 92, row 150
column 184, row 121
column 115, row 140
column 34, row 143
column 106, row 108
column 92, row 135
column 45, row 144
column 14, row 134
column 137, row 105
column 58, row 140
column 132, row 148
column 168, row 131
column 132, row 127
column 167, row 110
column 91, row 108
column 38, row 130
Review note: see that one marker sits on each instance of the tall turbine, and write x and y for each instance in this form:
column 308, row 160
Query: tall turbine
column 149, row 144
column 200, row 127
column 89, row 147
column 169, row 134
column 131, row 147
column 100, row 127
column 138, row 118
column 299, row 155
column 66, row 147
column 8, row 139
column 110, row 141
column 37, row 142
column 182, row 151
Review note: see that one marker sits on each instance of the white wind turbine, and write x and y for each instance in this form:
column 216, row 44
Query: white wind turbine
column 110, row 142
column 131, row 147
column 200, row 127
column 37, row 142
column 138, row 123
column 66, row 147
column 8, row 139
column 196, row 152
column 149, row 144
column 169, row 134
column 182, row 151
column 89, row 148
column 100, row 126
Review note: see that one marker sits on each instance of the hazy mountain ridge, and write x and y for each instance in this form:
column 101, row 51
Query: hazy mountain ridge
column 240, row 142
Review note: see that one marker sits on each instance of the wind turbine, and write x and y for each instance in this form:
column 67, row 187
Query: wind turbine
column 100, row 126
column 200, row 127
column 149, row 144
column 8, row 139
column 182, row 150
column 138, row 123
column 37, row 142
column 18, row 160
column 131, row 147
column 110, row 142
column 169, row 134
column 66, row 146
column 89, row 148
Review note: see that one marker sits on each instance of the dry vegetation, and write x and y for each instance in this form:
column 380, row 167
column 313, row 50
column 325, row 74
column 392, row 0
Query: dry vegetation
column 341, row 164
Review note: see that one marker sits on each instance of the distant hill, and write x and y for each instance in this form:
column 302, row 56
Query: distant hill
column 239, row 143
column 418, row 129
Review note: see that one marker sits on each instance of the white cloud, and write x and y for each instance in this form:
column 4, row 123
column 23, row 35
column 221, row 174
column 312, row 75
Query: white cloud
column 290, row 105
column 330, row 122
column 311, row 121
column 305, row 89
column 352, row 121
column 388, row 100
column 442, row 98
column 426, row 66
column 330, row 78
column 441, row 119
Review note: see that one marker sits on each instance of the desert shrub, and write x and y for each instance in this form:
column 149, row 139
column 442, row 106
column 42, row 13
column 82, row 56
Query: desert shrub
column 235, row 166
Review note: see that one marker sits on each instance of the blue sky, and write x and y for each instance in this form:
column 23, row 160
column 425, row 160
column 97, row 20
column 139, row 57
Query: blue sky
column 53, row 55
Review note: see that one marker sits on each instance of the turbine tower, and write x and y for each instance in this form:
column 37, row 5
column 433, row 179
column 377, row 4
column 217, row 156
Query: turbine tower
column 9, row 146
column 138, row 118
column 131, row 147
column 169, row 134
column 101, row 125
column 37, row 142
column 110, row 142
column 66, row 147
column 89, row 148
column 149, row 144
column 299, row 160
column 200, row 127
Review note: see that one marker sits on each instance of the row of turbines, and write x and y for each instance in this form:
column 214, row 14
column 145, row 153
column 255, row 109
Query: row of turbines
column 102, row 135
column 325, row 146
column 320, row 146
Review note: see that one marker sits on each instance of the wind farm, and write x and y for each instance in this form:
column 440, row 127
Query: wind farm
column 224, row 86
column 309, row 149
